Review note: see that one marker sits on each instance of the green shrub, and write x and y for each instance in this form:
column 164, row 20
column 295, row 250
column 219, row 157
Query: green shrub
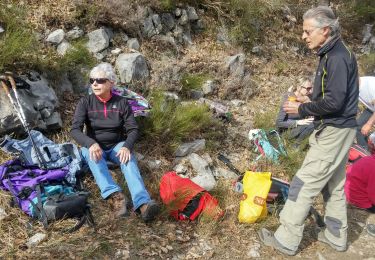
column 17, row 42
column 250, row 18
column 192, row 82
column 75, row 59
column 170, row 122
column 364, row 10
column 266, row 119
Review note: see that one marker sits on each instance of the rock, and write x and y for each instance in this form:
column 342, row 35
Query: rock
column 192, row 14
column 3, row 214
column 361, row 224
column 367, row 33
column 372, row 43
column 157, row 23
column 98, row 40
column 109, row 32
column 237, row 102
column 116, row 51
column 256, row 50
column 153, row 164
column 196, row 94
column 139, row 156
column 186, row 37
column 177, row 12
column 132, row 66
column 208, row 87
column 124, row 37
column 133, row 44
column 75, row 33
column 207, row 158
column 184, row 19
column 223, row 36
column 100, row 55
column 1, row 29
column 205, row 178
column 171, row 95
column 63, row 47
column 192, row 147
column 122, row 254
column 148, row 28
column 236, row 65
column 254, row 251
column 197, row 26
column 168, row 22
column 180, row 169
column 224, row 173
column 35, row 240
column 56, row 36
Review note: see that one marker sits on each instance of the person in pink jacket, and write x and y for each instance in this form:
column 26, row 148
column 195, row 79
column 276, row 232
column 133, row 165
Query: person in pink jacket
column 360, row 187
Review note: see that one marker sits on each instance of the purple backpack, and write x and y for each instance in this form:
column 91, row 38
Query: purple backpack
column 44, row 194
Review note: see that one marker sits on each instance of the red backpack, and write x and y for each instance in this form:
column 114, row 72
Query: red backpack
column 186, row 200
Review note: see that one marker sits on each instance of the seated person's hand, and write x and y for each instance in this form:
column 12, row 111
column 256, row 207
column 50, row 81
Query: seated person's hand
column 305, row 121
column 366, row 129
column 123, row 155
column 95, row 152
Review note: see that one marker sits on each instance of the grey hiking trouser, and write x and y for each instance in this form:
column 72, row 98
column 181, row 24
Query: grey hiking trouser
column 323, row 170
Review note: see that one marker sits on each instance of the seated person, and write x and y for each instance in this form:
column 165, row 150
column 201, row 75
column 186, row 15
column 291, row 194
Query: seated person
column 366, row 119
column 299, row 127
column 360, row 187
column 111, row 134
column 360, row 183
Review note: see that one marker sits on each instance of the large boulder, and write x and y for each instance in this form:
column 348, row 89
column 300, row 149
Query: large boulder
column 98, row 40
column 39, row 103
column 132, row 67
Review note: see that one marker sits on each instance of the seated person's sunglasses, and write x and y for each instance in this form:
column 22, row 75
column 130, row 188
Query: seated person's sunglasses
column 98, row 80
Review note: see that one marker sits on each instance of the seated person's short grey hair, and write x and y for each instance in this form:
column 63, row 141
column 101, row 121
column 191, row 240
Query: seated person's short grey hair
column 109, row 71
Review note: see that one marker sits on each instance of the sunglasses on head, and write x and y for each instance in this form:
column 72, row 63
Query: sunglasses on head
column 98, row 80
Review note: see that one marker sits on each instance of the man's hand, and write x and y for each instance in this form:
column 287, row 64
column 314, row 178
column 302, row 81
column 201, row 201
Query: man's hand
column 95, row 152
column 291, row 107
column 123, row 155
column 366, row 129
column 305, row 121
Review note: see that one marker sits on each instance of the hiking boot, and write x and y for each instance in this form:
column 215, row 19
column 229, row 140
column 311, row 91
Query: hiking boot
column 322, row 238
column 149, row 211
column 118, row 203
column 268, row 239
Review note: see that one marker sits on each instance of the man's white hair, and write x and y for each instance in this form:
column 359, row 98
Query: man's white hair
column 324, row 16
column 107, row 69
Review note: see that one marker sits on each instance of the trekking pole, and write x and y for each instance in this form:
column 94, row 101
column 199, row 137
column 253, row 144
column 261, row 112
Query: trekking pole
column 21, row 114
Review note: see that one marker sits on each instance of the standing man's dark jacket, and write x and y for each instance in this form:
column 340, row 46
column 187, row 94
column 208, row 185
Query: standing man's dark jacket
column 336, row 87
column 107, row 123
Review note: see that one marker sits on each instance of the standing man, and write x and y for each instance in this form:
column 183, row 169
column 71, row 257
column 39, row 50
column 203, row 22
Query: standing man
column 334, row 106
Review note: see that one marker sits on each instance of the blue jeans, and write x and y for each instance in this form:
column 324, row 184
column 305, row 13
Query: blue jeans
column 105, row 181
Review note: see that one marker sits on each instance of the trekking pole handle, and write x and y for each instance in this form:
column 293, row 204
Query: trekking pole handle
column 5, row 87
column 14, row 87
